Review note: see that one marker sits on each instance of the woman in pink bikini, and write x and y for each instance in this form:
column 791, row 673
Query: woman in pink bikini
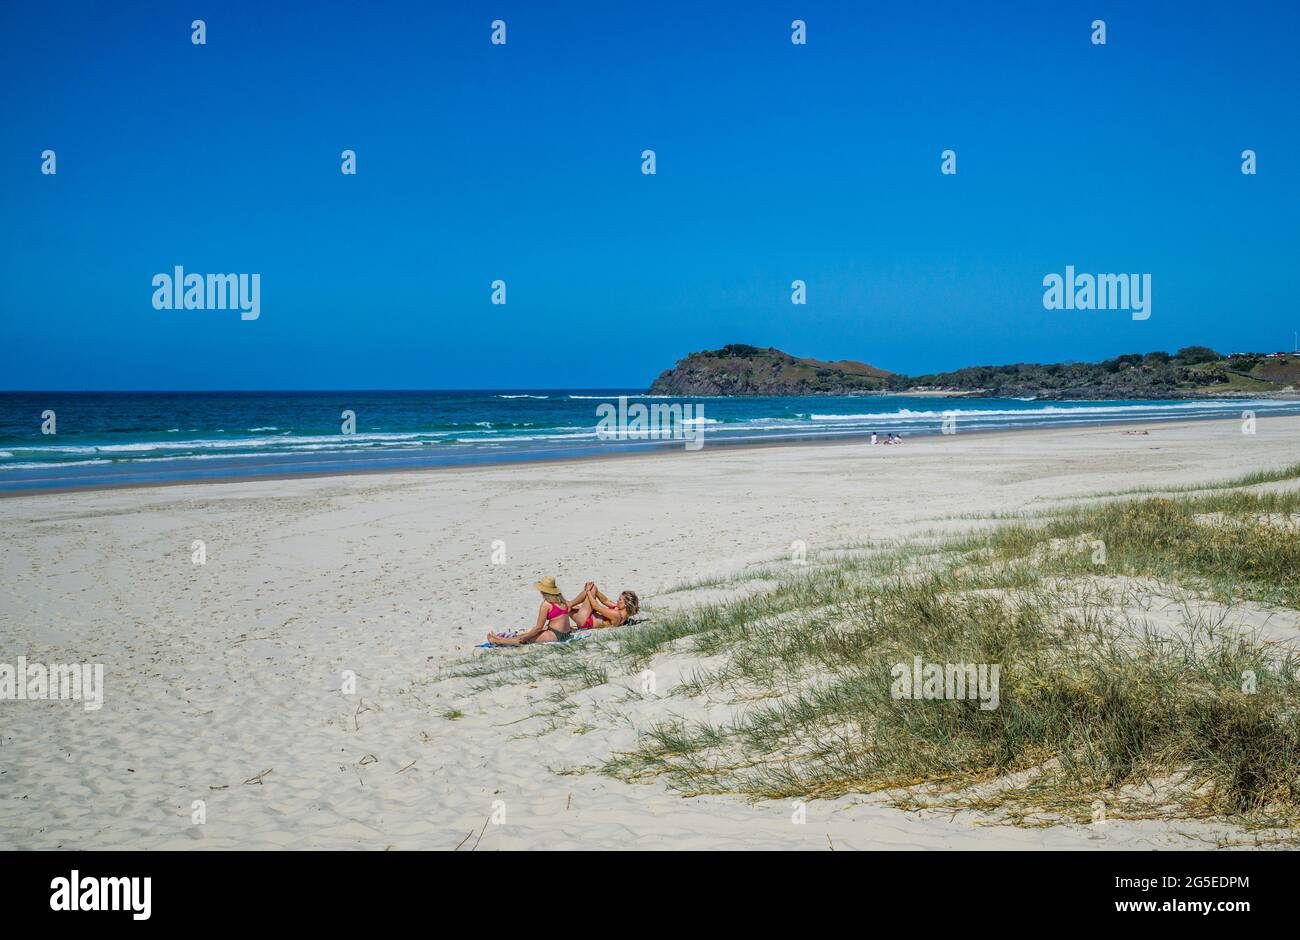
column 554, row 623
column 592, row 610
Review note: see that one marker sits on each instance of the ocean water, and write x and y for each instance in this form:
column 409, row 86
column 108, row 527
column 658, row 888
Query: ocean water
column 111, row 438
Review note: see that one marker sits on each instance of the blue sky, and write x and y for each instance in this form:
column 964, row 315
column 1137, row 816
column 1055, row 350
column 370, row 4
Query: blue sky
column 522, row 162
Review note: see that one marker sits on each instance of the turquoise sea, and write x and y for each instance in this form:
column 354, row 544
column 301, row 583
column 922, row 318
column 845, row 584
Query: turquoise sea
column 111, row 438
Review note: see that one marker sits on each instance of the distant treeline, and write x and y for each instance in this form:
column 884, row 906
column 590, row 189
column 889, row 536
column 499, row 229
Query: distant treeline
column 1135, row 375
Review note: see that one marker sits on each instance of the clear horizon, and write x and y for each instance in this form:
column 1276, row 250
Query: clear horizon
column 576, row 388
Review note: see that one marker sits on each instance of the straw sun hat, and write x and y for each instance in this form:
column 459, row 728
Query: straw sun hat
column 547, row 585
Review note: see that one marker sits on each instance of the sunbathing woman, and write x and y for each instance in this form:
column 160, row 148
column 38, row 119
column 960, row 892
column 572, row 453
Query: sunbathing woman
column 553, row 619
column 594, row 611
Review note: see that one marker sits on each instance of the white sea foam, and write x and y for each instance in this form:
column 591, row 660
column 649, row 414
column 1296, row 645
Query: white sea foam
column 275, row 442
column 1054, row 410
column 46, row 466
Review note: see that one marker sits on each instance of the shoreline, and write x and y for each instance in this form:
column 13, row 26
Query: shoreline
column 652, row 449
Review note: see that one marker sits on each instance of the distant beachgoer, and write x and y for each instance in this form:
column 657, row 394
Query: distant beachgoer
column 553, row 623
column 873, row 438
column 594, row 611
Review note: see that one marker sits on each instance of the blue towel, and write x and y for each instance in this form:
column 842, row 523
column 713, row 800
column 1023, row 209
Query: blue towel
column 570, row 637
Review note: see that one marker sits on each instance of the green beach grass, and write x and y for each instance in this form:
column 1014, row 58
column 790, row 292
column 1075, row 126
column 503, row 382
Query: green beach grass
column 1124, row 682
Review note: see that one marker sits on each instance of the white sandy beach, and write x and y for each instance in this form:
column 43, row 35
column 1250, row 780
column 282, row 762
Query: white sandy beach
column 223, row 680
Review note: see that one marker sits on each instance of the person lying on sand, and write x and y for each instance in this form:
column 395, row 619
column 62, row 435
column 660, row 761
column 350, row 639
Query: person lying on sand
column 594, row 611
column 554, row 616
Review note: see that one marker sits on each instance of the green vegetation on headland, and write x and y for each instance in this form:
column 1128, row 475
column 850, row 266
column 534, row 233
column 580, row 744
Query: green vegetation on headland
column 739, row 369
column 1130, row 674
column 1195, row 371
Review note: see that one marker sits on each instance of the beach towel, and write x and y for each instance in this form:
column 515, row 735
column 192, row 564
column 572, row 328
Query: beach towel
column 577, row 634
column 573, row 637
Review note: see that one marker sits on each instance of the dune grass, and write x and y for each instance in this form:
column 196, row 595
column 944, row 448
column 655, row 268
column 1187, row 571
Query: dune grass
column 1235, row 545
column 1193, row 720
column 1254, row 478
